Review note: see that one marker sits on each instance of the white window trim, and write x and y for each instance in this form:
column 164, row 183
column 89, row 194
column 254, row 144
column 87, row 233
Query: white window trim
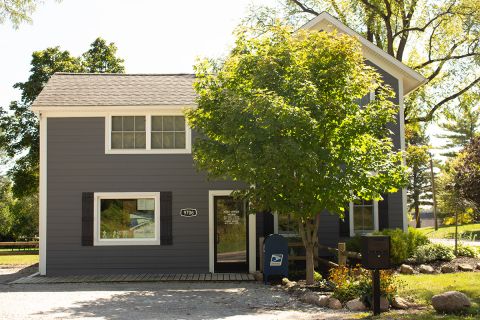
column 375, row 219
column 148, row 132
column 124, row 242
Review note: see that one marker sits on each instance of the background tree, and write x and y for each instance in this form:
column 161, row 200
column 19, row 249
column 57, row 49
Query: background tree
column 17, row 11
column 438, row 38
column 418, row 160
column 101, row 57
column 273, row 116
column 461, row 124
column 19, row 124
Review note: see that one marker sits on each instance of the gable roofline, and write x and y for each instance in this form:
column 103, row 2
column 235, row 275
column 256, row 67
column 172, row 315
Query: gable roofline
column 412, row 79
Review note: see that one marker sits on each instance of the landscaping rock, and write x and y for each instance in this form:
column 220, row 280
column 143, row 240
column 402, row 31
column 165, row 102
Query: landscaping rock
column 399, row 303
column 285, row 281
column 322, row 301
column 384, row 304
column 334, row 304
column 426, row 269
column 309, row 297
column 356, row 305
column 258, row 276
column 465, row 267
column 406, row 269
column 447, row 269
column 450, row 301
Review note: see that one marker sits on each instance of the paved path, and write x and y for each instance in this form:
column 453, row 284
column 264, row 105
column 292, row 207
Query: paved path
column 161, row 300
column 451, row 242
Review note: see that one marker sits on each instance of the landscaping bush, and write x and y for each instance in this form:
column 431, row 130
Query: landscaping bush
column 466, row 251
column 317, row 276
column 351, row 283
column 433, row 252
column 353, row 244
column 403, row 245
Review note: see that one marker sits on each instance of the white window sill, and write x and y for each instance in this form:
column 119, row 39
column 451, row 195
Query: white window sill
column 128, row 242
column 145, row 151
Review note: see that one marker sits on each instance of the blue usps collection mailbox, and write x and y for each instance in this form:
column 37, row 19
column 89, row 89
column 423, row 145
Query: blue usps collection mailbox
column 276, row 256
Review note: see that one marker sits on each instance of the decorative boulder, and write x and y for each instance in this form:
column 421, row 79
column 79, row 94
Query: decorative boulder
column 426, row 269
column 322, row 301
column 356, row 305
column 334, row 304
column 285, row 281
column 447, row 269
column 258, row 276
column 384, row 304
column 465, row 267
column 406, row 269
column 478, row 266
column 400, row 303
column 450, row 301
column 311, row 298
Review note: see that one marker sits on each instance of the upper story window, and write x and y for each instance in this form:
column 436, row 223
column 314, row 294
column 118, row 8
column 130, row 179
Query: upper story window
column 147, row 133
column 168, row 132
column 128, row 132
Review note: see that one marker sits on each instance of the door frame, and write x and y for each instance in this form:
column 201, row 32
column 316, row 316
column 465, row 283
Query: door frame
column 251, row 241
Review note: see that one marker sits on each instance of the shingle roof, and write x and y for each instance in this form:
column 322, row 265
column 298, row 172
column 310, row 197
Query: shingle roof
column 107, row 89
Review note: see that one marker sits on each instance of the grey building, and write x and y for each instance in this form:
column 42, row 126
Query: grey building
column 119, row 192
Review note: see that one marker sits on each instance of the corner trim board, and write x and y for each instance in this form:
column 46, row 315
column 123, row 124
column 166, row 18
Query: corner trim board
column 42, row 221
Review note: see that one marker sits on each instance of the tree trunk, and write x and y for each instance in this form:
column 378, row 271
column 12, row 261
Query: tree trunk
column 418, row 223
column 308, row 231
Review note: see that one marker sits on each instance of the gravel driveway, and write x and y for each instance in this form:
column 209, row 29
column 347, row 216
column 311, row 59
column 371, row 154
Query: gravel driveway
column 159, row 300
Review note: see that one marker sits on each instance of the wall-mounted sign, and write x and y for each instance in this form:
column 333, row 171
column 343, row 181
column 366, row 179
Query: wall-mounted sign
column 188, row 212
column 231, row 216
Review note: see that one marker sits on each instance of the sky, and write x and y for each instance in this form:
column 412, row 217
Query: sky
column 152, row 36
column 155, row 36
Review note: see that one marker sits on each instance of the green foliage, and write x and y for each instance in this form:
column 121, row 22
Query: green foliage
column 466, row 251
column 19, row 125
column 101, row 57
column 418, row 160
column 281, row 115
column 354, row 244
column 444, row 31
column 17, row 11
column 403, row 245
column 317, row 276
column 351, row 283
column 461, row 123
column 18, row 217
column 433, row 252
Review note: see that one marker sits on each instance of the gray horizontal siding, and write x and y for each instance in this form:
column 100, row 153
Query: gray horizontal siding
column 77, row 163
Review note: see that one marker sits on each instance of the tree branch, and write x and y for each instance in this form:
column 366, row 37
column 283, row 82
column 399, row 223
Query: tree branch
column 305, row 8
column 429, row 115
column 430, row 61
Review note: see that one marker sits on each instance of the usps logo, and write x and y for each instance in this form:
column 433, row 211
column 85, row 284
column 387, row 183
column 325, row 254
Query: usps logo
column 276, row 260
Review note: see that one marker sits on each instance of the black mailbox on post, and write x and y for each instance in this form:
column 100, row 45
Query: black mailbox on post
column 376, row 252
column 376, row 256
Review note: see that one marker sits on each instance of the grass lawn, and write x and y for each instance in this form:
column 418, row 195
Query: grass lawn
column 26, row 259
column 468, row 231
column 423, row 287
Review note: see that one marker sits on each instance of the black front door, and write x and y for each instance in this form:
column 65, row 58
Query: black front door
column 231, row 234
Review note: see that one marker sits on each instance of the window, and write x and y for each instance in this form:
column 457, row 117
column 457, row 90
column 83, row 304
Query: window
column 168, row 132
column 128, row 132
column 148, row 133
column 127, row 218
column 363, row 217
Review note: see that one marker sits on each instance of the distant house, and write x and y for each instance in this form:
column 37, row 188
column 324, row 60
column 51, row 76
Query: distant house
column 119, row 192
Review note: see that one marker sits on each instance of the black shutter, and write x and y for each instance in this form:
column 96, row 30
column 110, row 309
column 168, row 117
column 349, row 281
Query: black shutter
column 344, row 225
column 166, row 218
column 87, row 218
column 383, row 213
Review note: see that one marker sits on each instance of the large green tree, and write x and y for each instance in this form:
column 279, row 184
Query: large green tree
column 280, row 114
column 418, row 160
column 438, row 38
column 19, row 125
